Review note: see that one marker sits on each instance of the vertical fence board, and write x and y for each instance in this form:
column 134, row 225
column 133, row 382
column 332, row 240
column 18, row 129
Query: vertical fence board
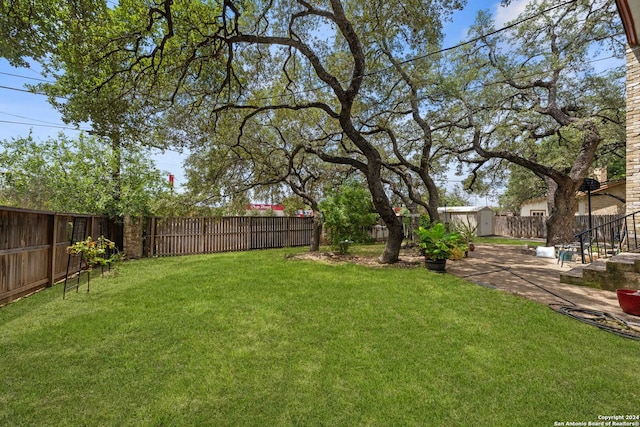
column 33, row 243
column 187, row 236
column 534, row 226
column 33, row 249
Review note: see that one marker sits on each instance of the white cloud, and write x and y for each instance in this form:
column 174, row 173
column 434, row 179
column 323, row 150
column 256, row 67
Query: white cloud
column 505, row 14
column 457, row 30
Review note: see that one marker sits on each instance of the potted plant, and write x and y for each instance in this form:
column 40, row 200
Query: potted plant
column 438, row 245
column 94, row 252
column 467, row 232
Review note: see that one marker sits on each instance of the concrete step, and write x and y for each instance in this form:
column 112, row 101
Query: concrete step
column 573, row 276
column 586, row 274
column 625, row 261
column 619, row 271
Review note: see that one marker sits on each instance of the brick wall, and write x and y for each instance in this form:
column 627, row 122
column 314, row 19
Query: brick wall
column 633, row 129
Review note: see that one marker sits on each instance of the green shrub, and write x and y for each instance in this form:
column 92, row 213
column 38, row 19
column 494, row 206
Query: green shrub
column 437, row 243
column 348, row 215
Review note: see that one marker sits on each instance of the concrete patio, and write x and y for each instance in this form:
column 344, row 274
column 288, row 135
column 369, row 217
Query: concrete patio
column 515, row 269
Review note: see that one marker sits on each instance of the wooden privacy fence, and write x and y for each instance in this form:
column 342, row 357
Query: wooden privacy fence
column 33, row 247
column 534, row 226
column 186, row 236
column 520, row 226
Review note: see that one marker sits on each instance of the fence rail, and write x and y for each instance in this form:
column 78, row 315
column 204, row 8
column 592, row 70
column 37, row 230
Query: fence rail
column 33, row 243
column 534, row 226
column 33, row 248
column 186, row 236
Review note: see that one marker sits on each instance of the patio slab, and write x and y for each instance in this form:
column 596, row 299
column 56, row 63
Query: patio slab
column 517, row 270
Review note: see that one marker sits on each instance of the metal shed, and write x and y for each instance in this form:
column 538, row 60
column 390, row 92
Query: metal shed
column 480, row 216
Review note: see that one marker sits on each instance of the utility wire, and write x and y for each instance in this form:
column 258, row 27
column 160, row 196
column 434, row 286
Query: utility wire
column 300, row 92
column 29, row 118
column 25, row 77
column 47, row 126
column 22, row 90
column 436, row 52
column 489, row 34
column 381, row 70
column 417, row 58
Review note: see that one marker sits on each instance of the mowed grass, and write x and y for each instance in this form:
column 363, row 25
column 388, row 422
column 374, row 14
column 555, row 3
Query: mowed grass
column 257, row 339
column 500, row 240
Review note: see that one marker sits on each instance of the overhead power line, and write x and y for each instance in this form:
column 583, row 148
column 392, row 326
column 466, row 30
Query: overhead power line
column 47, row 126
column 25, row 77
column 22, row 90
column 381, row 70
column 29, row 118
column 482, row 36
column 436, row 52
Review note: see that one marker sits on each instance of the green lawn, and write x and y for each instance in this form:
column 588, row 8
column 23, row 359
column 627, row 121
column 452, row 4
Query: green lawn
column 257, row 339
column 507, row 241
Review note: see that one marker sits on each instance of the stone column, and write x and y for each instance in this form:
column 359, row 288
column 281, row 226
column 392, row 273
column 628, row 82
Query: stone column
column 132, row 237
column 633, row 129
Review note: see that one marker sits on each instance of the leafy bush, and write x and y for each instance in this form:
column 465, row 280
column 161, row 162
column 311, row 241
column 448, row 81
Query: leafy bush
column 437, row 243
column 95, row 252
column 467, row 229
column 348, row 215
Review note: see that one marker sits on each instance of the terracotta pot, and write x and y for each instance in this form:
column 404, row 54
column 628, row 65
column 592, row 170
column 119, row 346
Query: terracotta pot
column 629, row 300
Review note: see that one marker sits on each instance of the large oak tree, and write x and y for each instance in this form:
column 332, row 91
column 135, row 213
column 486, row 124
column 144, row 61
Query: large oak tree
column 534, row 98
column 184, row 65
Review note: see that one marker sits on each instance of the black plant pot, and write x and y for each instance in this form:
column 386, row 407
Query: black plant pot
column 437, row 265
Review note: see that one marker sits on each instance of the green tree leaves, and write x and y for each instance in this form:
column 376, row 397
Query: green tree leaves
column 70, row 175
column 539, row 102
column 348, row 213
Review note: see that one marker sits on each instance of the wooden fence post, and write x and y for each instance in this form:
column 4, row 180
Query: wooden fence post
column 203, row 226
column 152, row 234
column 90, row 229
column 54, row 249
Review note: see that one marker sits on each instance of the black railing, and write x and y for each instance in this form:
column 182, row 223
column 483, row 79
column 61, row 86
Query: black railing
column 610, row 238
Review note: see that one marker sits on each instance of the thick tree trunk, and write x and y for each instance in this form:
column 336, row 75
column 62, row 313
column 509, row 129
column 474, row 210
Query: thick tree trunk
column 563, row 207
column 394, row 226
column 383, row 206
column 562, row 212
column 381, row 203
column 434, row 198
column 316, row 233
column 391, row 252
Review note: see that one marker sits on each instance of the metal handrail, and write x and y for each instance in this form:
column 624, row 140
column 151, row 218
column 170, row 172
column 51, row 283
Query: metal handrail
column 610, row 238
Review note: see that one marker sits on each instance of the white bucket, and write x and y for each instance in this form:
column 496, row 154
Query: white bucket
column 546, row 252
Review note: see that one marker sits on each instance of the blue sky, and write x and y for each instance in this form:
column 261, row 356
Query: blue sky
column 32, row 113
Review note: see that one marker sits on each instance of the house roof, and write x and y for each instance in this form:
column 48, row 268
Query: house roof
column 629, row 11
column 535, row 200
column 462, row 209
column 604, row 186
